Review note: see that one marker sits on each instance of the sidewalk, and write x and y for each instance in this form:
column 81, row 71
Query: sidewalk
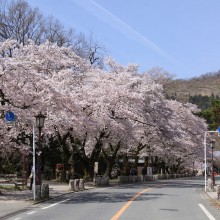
column 213, row 195
column 15, row 201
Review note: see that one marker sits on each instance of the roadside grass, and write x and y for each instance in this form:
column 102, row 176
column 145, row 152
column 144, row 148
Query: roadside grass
column 10, row 188
column 4, row 187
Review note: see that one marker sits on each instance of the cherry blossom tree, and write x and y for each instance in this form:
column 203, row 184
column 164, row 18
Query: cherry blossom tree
column 36, row 79
column 94, row 112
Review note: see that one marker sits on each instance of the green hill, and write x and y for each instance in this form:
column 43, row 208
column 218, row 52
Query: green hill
column 196, row 90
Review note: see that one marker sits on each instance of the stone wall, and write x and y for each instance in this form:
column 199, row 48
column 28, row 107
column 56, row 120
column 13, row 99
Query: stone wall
column 145, row 178
column 101, row 181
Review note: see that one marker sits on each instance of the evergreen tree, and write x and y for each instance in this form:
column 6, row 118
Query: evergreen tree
column 212, row 114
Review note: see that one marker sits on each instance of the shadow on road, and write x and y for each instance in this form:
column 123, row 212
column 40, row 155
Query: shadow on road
column 124, row 193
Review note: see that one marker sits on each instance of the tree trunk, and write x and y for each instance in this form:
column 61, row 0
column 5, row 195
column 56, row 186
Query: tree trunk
column 108, row 170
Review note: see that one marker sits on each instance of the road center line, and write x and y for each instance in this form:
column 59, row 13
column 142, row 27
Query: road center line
column 120, row 212
column 206, row 212
column 46, row 207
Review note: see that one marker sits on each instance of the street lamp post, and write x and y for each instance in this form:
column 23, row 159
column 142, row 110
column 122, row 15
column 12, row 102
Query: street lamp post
column 39, row 124
column 33, row 170
column 205, row 138
column 213, row 177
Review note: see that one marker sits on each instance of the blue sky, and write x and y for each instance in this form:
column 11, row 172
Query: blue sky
column 182, row 37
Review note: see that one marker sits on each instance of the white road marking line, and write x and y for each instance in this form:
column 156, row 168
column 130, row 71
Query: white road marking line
column 30, row 213
column 206, row 212
column 46, row 207
column 96, row 190
column 17, row 218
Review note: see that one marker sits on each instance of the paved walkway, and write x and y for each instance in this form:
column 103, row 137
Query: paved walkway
column 15, row 201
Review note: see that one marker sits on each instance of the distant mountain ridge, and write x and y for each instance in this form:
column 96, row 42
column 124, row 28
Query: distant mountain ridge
column 205, row 85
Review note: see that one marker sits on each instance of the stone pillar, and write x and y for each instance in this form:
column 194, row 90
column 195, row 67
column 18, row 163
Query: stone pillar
column 210, row 185
column 218, row 191
column 71, row 185
column 81, row 184
column 76, row 184
column 45, row 191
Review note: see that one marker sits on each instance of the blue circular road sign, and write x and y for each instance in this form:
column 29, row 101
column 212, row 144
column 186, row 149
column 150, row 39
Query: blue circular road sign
column 9, row 116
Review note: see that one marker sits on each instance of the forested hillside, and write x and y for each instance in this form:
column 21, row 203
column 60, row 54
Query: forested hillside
column 196, row 90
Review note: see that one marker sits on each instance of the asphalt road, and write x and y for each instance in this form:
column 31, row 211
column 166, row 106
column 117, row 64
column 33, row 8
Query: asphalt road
column 164, row 200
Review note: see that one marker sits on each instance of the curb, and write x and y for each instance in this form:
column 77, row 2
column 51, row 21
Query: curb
column 33, row 203
column 14, row 213
column 211, row 197
column 57, row 196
